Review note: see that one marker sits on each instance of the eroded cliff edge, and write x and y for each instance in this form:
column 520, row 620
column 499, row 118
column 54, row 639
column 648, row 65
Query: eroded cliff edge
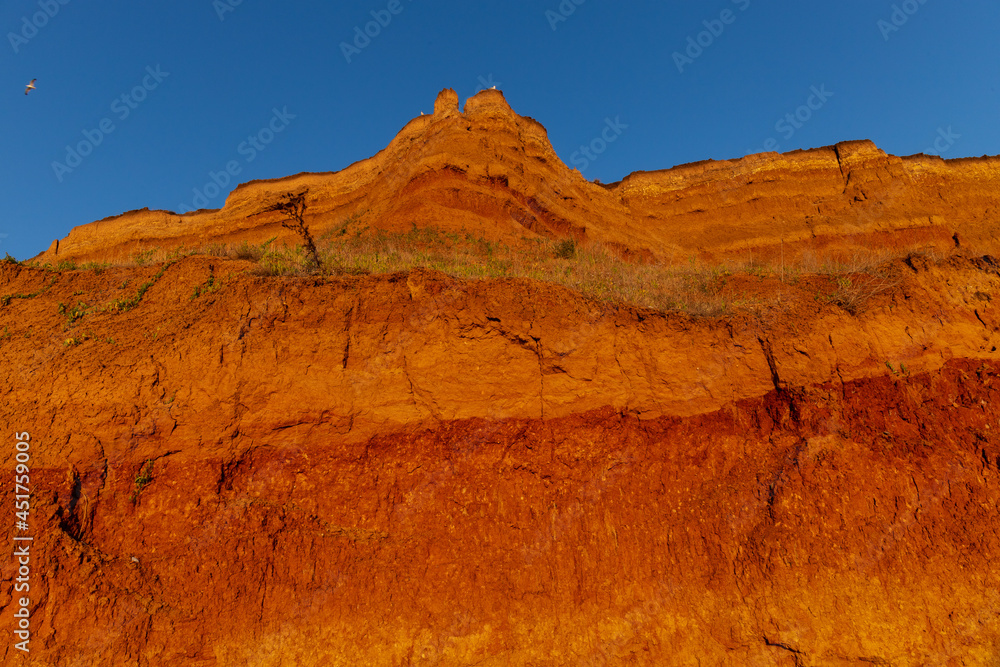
column 413, row 469
column 488, row 171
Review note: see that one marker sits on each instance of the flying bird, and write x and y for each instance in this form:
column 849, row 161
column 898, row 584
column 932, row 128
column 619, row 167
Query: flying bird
column 30, row 86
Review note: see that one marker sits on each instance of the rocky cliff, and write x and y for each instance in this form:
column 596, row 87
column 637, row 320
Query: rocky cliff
column 492, row 172
column 229, row 468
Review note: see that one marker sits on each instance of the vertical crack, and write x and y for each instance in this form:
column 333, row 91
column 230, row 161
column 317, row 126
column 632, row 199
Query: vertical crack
column 765, row 346
column 840, row 164
column 789, row 397
column 347, row 332
column 541, row 378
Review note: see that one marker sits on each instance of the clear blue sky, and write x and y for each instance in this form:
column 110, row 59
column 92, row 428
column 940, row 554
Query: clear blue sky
column 219, row 80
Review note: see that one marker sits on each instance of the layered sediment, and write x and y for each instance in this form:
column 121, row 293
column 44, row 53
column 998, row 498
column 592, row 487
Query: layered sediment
column 414, row 469
column 491, row 172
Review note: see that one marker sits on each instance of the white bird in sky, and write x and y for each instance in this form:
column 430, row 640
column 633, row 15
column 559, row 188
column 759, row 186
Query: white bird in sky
column 30, row 86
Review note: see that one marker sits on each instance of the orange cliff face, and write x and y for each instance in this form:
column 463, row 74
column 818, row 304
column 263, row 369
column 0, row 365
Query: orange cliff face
column 415, row 469
column 490, row 172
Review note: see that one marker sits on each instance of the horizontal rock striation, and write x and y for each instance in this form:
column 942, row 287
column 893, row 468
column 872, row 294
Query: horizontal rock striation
column 490, row 172
column 232, row 469
column 411, row 469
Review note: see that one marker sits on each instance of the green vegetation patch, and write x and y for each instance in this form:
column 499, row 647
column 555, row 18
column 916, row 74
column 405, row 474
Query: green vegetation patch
column 125, row 305
column 207, row 287
column 5, row 300
column 73, row 313
column 142, row 479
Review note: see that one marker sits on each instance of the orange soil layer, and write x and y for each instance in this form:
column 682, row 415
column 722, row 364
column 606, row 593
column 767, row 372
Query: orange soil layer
column 412, row 469
column 416, row 470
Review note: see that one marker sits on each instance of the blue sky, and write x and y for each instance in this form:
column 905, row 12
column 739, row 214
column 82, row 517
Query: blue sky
column 684, row 81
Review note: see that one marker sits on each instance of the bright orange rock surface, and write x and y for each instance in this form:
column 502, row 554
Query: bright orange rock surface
column 413, row 469
column 491, row 172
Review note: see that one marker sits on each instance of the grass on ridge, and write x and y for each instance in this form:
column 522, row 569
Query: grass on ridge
column 689, row 286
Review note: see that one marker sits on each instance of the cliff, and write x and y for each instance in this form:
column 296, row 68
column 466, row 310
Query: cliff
column 491, row 172
column 230, row 468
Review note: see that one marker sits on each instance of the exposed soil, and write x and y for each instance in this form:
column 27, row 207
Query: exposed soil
column 413, row 469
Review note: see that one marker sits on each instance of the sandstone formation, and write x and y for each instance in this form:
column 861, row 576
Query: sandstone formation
column 413, row 469
column 494, row 173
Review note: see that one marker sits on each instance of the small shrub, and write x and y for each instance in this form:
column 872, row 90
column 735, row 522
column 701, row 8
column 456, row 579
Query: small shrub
column 142, row 479
column 5, row 300
column 854, row 291
column 77, row 340
column 757, row 268
column 293, row 207
column 284, row 263
column 565, row 249
column 97, row 267
column 124, row 305
column 209, row 286
column 249, row 251
column 73, row 313
column 143, row 258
